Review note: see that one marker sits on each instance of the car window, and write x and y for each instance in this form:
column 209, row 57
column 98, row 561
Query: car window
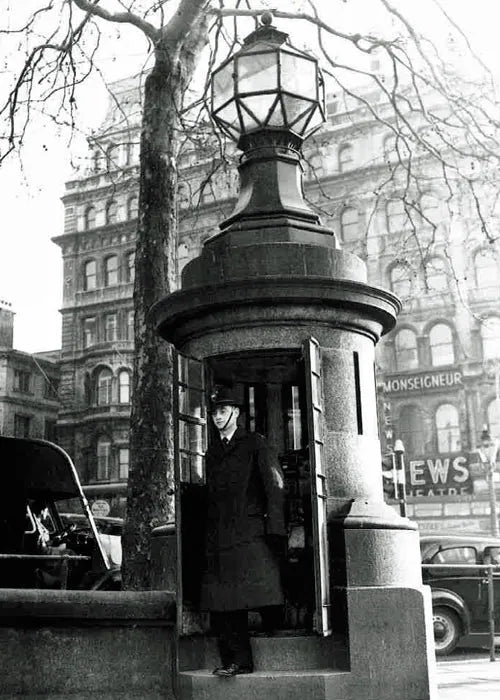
column 455, row 555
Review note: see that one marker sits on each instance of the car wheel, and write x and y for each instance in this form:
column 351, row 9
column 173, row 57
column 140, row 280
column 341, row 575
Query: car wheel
column 447, row 630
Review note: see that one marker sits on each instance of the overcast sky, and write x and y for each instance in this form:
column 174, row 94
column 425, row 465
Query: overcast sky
column 31, row 214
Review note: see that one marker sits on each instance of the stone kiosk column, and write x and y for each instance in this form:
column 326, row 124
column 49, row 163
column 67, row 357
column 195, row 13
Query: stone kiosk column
column 274, row 281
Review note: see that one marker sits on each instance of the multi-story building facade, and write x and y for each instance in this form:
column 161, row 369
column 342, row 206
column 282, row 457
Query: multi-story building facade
column 29, row 385
column 437, row 372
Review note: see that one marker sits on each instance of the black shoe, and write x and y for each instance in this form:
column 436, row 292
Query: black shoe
column 232, row 670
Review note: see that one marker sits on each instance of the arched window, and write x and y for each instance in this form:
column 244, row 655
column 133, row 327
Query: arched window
column 346, row 158
column 132, row 207
column 441, row 345
column 111, row 212
column 494, row 418
column 104, row 386
column 349, row 224
column 89, row 218
column 397, row 218
column 130, row 266
column 111, row 271
column 410, row 429
column 89, row 275
column 490, row 336
column 401, row 281
column 486, row 270
column 436, row 275
column 405, row 345
column 124, row 386
column 103, row 459
column 447, row 428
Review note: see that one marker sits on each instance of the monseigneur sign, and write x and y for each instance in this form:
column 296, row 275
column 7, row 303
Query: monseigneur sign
column 423, row 381
column 443, row 475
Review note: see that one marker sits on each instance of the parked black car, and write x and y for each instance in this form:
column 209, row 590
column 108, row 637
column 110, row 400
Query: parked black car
column 38, row 549
column 460, row 595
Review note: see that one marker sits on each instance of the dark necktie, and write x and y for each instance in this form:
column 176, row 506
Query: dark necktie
column 225, row 442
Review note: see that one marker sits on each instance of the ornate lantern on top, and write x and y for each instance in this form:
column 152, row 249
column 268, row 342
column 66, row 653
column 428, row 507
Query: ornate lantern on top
column 269, row 85
column 268, row 98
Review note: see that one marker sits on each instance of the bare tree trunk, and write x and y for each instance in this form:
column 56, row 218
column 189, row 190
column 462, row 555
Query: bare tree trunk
column 150, row 484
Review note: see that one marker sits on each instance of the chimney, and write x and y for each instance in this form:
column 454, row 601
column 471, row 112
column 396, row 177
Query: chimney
column 6, row 325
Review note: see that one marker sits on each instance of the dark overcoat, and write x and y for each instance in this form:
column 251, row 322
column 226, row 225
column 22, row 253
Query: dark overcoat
column 245, row 503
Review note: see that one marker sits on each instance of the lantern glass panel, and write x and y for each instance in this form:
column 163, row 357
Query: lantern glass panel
column 300, row 125
column 257, row 72
column 229, row 114
column 298, row 75
column 316, row 120
column 223, row 87
column 259, row 106
column 294, row 107
column 277, row 117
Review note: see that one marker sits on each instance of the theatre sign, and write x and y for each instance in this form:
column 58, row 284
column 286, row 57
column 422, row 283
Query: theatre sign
column 422, row 382
column 443, row 475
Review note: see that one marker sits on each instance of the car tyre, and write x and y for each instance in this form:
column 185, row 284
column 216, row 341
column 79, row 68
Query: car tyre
column 447, row 630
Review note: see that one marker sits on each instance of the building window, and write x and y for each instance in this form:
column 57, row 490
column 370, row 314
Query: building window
column 51, row 388
column 130, row 266
column 22, row 381
column 411, row 430
column 104, row 387
column 123, row 462
column 112, row 156
column 127, row 153
column 400, row 281
column 397, row 217
column 22, row 426
column 50, row 430
column 110, row 328
column 132, row 207
column 89, row 275
column 485, row 270
column 129, row 331
column 111, row 212
column 346, row 158
column 89, row 332
column 349, row 224
column 111, row 271
column 441, row 345
column 494, row 418
column 405, row 345
column 103, row 459
column 436, row 275
column 490, row 336
column 448, row 429
column 124, row 386
column 89, row 218
column 96, row 160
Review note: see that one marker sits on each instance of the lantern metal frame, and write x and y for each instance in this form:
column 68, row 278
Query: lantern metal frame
column 300, row 112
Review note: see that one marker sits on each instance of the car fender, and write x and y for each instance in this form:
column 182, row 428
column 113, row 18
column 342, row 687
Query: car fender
column 445, row 598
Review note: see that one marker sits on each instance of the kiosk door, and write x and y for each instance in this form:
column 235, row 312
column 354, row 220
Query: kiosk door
column 190, row 442
column 312, row 359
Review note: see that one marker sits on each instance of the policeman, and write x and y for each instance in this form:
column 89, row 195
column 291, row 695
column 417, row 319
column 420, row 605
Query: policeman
column 245, row 534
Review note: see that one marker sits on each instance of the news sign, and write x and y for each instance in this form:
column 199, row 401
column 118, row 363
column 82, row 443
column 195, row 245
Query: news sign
column 441, row 475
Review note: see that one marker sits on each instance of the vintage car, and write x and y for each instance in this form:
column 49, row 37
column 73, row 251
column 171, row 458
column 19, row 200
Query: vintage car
column 459, row 590
column 38, row 549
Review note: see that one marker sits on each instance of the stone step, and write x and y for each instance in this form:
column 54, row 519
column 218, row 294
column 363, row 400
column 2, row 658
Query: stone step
column 277, row 653
column 274, row 685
